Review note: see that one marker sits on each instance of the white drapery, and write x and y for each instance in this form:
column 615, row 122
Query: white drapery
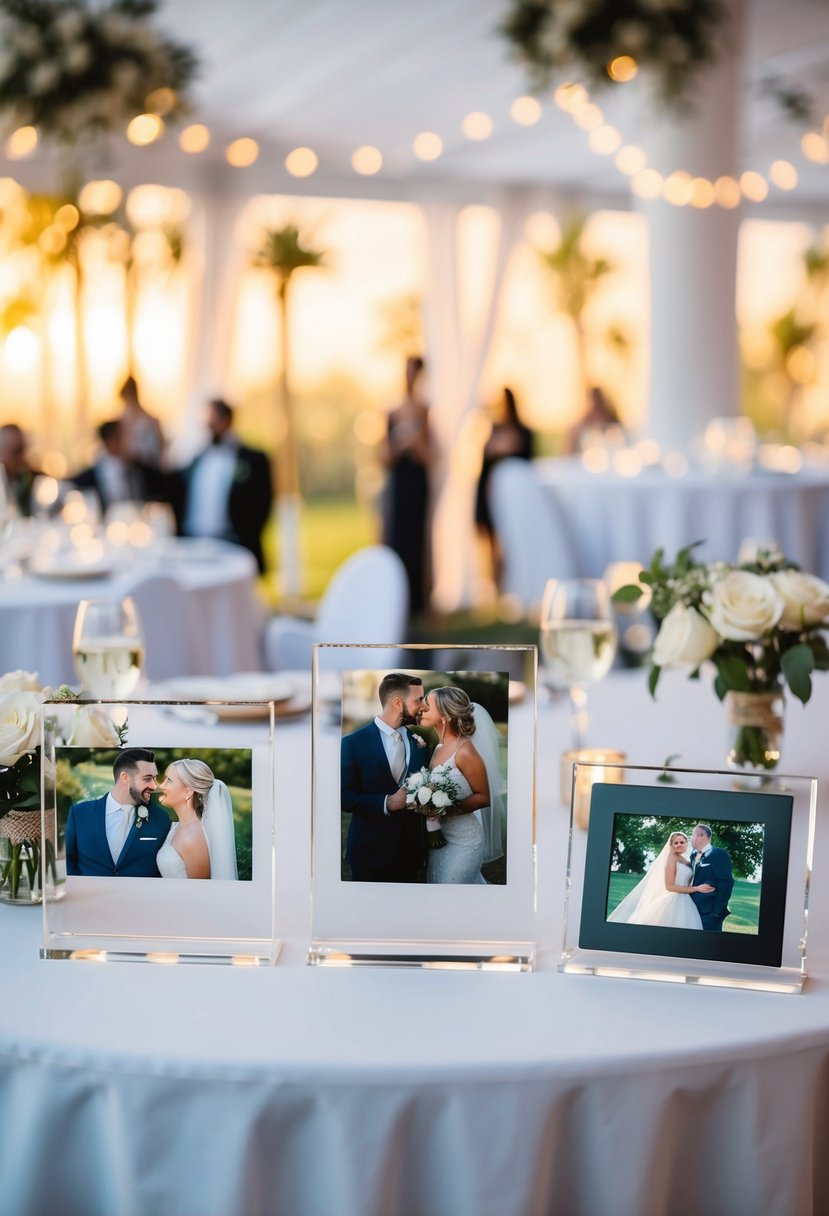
column 457, row 346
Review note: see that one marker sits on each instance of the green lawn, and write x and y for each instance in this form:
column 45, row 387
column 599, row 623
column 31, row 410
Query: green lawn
column 744, row 902
column 332, row 529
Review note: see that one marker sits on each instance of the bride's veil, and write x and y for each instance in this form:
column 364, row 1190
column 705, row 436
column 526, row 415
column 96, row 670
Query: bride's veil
column 217, row 823
column 647, row 889
column 487, row 744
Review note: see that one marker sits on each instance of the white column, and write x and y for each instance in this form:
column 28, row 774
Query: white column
column 695, row 373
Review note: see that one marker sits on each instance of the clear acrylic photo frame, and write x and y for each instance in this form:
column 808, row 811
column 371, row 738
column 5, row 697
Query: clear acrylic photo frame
column 669, row 955
column 480, row 927
column 116, row 918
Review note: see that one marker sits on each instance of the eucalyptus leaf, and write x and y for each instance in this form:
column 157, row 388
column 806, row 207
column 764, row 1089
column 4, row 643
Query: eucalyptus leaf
column 733, row 672
column 628, row 594
column 653, row 679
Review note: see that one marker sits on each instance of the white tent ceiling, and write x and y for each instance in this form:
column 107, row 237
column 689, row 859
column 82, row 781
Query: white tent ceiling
column 336, row 74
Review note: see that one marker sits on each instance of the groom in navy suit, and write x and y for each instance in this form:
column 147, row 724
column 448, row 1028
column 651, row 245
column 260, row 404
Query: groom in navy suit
column 386, row 840
column 120, row 833
column 710, row 865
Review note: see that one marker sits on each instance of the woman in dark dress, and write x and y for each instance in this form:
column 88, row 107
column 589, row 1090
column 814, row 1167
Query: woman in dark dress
column 509, row 439
column 406, row 455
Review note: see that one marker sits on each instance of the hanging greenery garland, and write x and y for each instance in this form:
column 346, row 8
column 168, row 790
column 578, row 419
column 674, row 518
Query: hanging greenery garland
column 74, row 72
column 674, row 39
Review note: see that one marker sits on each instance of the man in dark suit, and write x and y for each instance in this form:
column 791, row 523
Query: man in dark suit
column 386, row 839
column 710, row 865
column 116, row 477
column 120, row 833
column 228, row 488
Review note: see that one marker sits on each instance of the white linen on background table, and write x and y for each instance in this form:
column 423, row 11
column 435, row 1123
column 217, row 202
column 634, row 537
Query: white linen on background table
column 37, row 615
column 610, row 517
column 127, row 1090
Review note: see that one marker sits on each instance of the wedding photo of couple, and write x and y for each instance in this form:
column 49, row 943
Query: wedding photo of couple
column 423, row 777
column 155, row 813
column 703, row 876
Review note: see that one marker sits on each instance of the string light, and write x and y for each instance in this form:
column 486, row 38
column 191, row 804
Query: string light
column 427, row 146
column 622, row 68
column 783, row 175
column 21, row 142
column 477, row 125
column 194, row 138
column 526, row 111
column 145, row 129
column 815, row 147
column 302, row 162
column 242, row 152
column 367, row 160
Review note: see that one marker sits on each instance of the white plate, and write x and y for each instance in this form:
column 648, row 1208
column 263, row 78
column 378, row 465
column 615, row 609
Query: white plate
column 243, row 686
column 70, row 570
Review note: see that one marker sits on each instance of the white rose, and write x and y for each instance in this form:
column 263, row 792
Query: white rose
column 415, row 781
column 685, row 639
column 805, row 599
column 424, row 794
column 743, row 606
column 19, row 681
column 441, row 798
column 19, row 725
column 92, row 727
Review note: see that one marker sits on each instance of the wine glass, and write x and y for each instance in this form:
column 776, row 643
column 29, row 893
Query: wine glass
column 578, row 641
column 108, row 647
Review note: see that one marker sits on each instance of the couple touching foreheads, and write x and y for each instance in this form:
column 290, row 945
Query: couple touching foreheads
column 387, row 834
column 125, row 834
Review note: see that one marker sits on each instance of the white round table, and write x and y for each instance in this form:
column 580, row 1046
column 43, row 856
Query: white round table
column 297, row 1091
column 611, row 517
column 216, row 584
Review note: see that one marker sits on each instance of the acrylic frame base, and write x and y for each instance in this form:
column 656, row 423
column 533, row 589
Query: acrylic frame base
column 786, row 884
column 465, row 926
column 237, row 953
column 464, row 957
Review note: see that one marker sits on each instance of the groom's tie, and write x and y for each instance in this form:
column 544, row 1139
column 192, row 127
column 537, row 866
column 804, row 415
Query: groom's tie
column 398, row 756
column 128, row 816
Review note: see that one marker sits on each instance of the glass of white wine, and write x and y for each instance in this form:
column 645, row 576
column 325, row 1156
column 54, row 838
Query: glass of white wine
column 578, row 641
column 108, row 647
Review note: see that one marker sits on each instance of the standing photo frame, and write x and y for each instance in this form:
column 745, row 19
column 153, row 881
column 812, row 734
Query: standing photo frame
column 380, row 893
column 684, row 876
column 109, row 898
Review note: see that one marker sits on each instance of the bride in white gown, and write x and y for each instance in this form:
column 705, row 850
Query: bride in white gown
column 663, row 896
column 473, row 832
column 201, row 843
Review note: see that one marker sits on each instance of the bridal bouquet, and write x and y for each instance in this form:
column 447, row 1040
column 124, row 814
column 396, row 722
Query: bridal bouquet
column 436, row 789
column 760, row 623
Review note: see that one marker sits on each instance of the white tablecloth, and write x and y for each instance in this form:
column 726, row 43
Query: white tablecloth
column 37, row 614
column 128, row 1090
column 610, row 517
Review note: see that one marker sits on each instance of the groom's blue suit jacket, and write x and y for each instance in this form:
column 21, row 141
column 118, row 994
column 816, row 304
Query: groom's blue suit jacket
column 87, row 847
column 375, row 839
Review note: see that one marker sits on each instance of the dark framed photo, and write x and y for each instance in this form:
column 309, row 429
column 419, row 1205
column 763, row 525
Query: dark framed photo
column 687, row 873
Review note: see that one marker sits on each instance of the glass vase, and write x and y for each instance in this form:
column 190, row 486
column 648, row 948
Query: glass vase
column 755, row 722
column 22, row 857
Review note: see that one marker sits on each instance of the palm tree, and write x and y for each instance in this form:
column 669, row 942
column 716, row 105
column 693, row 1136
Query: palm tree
column 576, row 275
column 283, row 253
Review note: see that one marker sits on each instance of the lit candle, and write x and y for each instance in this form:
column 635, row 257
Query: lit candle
column 592, row 764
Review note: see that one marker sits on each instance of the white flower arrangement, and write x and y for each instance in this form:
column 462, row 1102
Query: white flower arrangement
column 433, row 791
column 73, row 70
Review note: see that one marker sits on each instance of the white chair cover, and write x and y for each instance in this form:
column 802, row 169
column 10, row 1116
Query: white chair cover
column 367, row 600
column 534, row 536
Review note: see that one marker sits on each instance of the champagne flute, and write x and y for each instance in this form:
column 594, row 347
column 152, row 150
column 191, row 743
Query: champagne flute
column 108, row 647
column 578, row 641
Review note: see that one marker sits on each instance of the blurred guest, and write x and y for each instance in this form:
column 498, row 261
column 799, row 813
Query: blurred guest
column 143, row 436
column 599, row 417
column 510, row 438
column 228, row 487
column 19, row 473
column 116, row 477
column 406, row 454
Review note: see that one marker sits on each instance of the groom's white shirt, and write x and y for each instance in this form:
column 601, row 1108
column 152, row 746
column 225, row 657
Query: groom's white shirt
column 388, row 735
column 118, row 822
